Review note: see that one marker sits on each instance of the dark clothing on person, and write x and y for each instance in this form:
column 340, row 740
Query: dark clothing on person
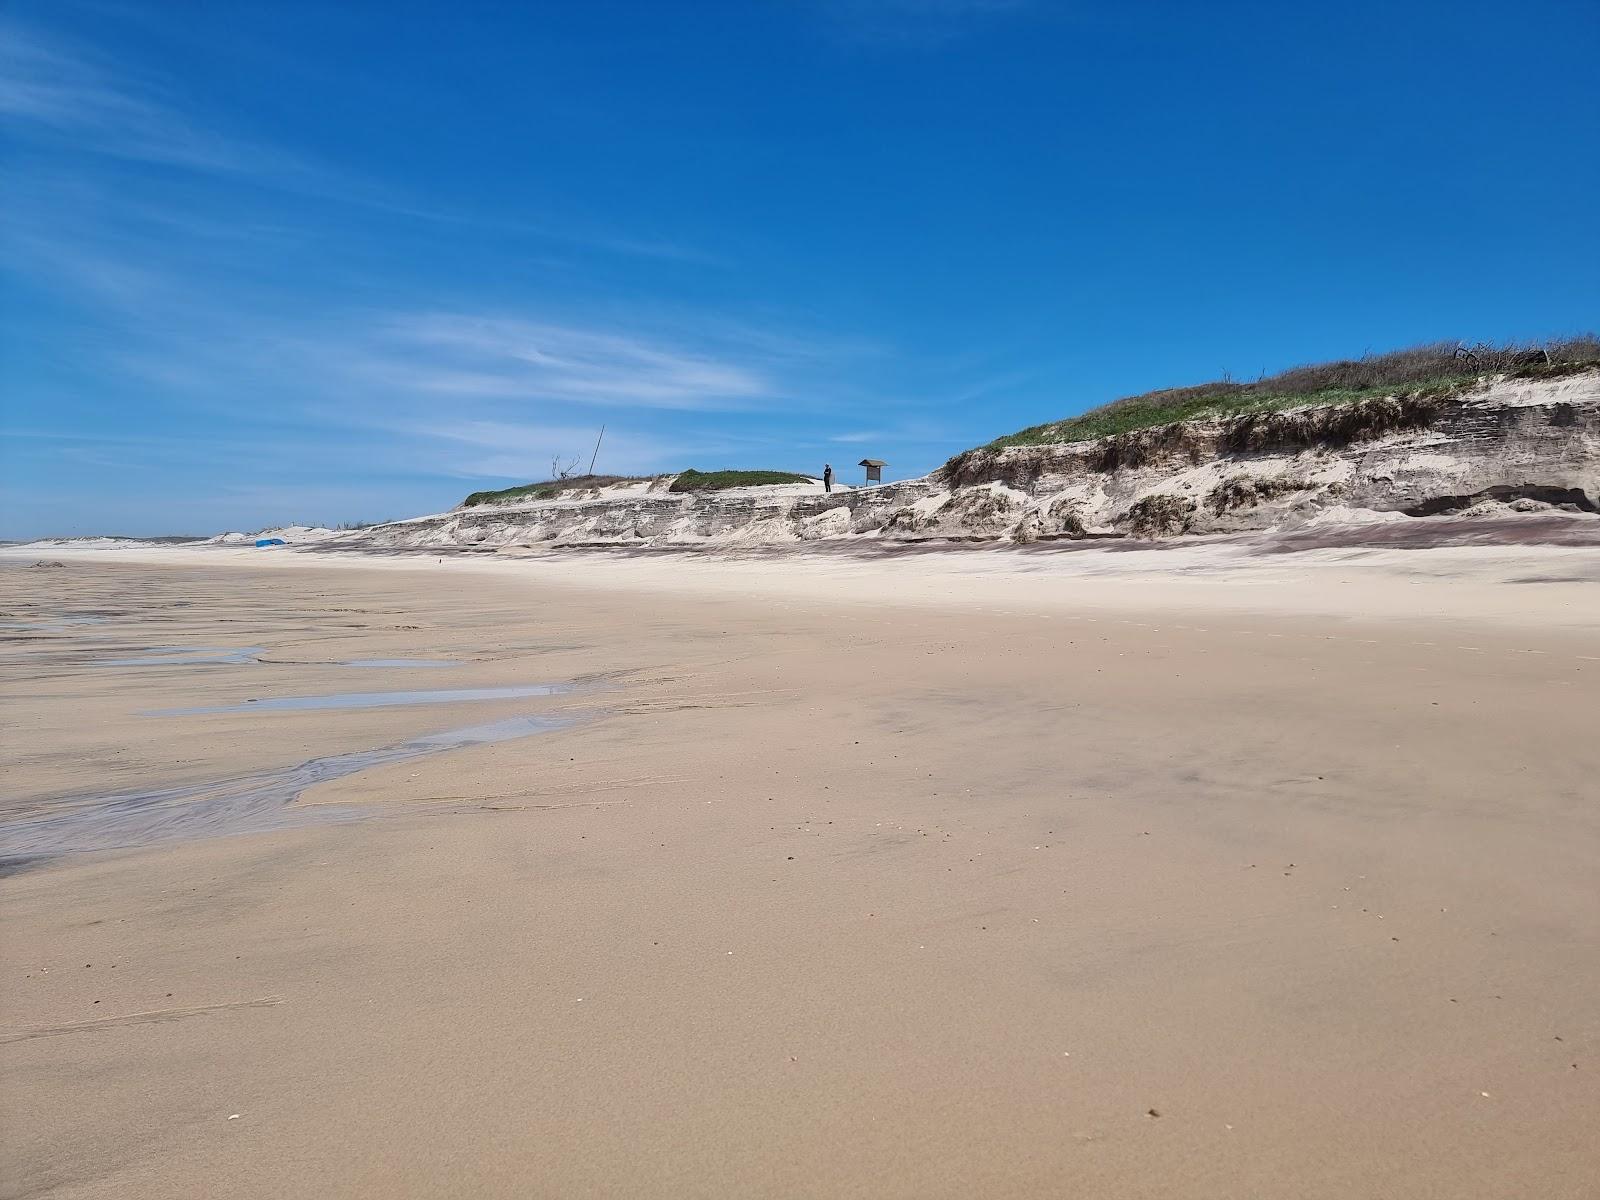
column 827, row 479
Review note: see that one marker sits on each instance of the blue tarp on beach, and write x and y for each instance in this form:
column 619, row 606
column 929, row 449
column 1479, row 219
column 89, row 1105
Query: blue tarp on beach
column 271, row 542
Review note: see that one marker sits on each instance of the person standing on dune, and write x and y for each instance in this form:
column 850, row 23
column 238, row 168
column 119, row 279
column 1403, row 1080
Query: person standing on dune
column 827, row 477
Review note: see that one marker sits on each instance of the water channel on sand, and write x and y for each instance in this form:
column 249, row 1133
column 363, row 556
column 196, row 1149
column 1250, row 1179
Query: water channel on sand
column 250, row 804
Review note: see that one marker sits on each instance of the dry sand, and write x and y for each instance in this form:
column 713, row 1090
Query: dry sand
column 960, row 875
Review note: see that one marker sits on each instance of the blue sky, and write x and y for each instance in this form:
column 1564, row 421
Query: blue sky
column 336, row 261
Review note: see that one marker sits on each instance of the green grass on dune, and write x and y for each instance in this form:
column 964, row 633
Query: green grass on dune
column 526, row 491
column 1422, row 371
column 711, row 481
column 1109, row 421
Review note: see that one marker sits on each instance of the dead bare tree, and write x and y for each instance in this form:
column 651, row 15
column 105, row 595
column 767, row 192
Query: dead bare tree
column 560, row 470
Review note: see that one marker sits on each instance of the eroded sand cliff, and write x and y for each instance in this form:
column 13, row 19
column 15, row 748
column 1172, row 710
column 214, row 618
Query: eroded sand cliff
column 1504, row 445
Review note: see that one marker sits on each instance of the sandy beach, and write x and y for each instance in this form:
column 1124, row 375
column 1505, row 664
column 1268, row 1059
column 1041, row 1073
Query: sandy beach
column 1185, row 872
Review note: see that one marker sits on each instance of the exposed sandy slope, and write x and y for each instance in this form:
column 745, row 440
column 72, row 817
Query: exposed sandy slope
column 929, row 876
column 291, row 534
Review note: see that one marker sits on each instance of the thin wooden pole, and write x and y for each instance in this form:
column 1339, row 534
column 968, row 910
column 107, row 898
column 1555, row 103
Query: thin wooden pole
column 596, row 448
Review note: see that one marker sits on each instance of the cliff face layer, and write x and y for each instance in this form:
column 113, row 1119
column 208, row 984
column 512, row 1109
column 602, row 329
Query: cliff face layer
column 646, row 513
column 1528, row 445
column 1515, row 445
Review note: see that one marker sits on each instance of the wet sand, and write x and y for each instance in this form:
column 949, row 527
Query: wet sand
column 932, row 877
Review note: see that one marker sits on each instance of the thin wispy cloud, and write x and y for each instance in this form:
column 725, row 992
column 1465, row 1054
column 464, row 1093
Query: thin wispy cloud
column 910, row 433
column 664, row 249
column 49, row 88
column 464, row 355
column 858, row 437
column 989, row 386
column 215, row 336
column 82, row 269
column 64, row 94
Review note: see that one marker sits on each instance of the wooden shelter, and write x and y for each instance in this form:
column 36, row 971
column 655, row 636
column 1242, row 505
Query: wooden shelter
column 874, row 468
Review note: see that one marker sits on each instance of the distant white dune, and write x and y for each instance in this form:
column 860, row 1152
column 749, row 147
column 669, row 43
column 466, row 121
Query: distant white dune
column 293, row 534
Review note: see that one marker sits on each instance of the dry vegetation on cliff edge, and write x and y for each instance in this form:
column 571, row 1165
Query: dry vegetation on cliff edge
column 549, row 489
column 1421, row 371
